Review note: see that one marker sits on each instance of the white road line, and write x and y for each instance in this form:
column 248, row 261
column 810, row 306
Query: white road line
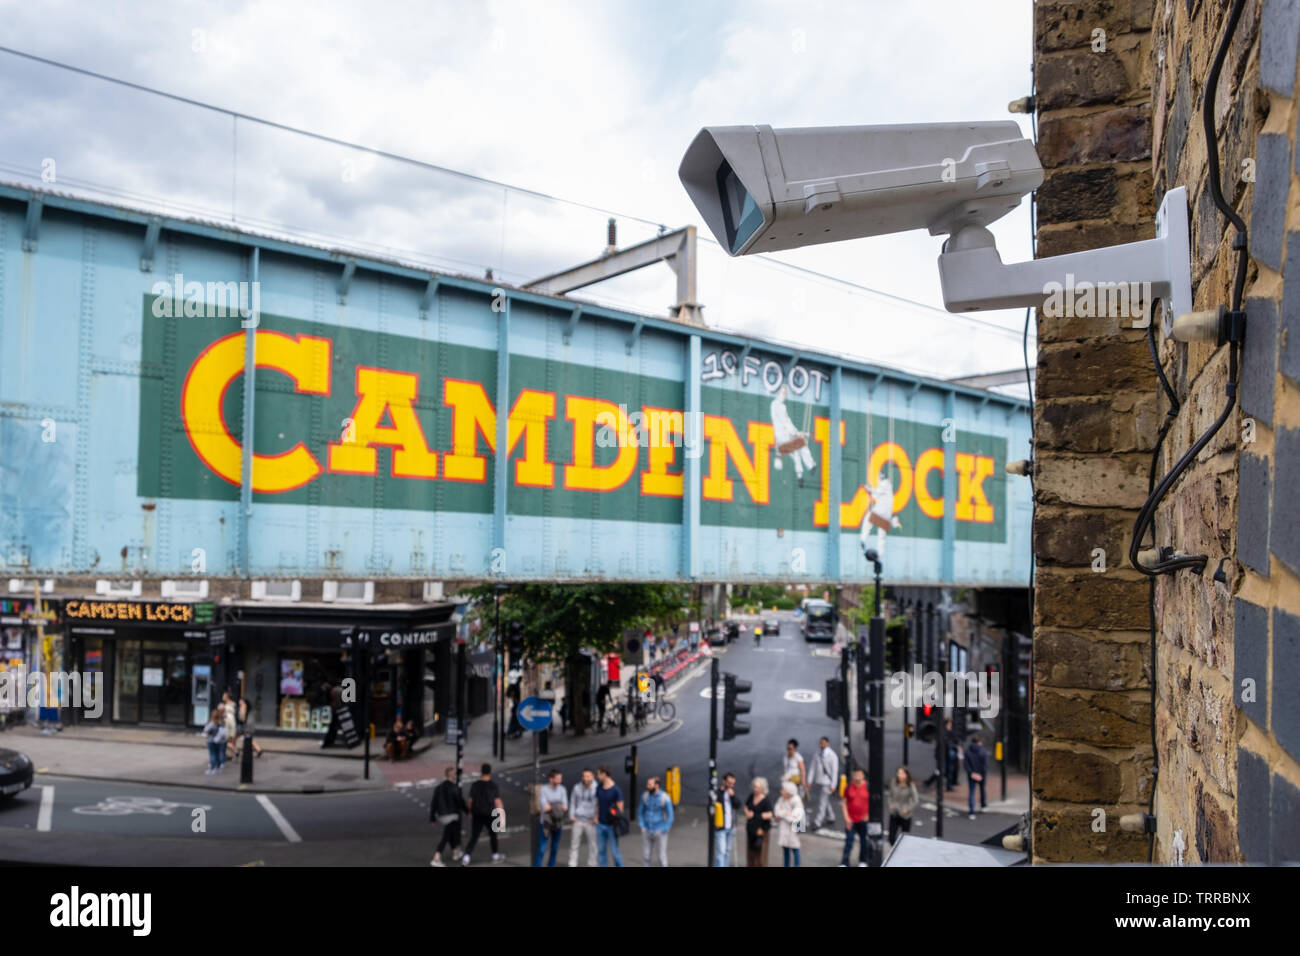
column 45, row 820
column 278, row 819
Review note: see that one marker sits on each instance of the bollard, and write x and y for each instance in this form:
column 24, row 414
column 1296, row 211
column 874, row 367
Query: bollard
column 246, row 761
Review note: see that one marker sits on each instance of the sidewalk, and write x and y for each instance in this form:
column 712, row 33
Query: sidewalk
column 178, row 757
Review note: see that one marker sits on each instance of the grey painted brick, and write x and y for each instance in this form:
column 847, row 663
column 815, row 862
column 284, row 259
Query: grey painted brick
column 1268, row 210
column 1250, row 658
column 1259, row 358
column 1289, row 358
column 1253, row 806
column 1180, row 116
column 1286, row 680
column 1285, row 825
column 1254, row 495
column 1279, row 32
column 1284, row 528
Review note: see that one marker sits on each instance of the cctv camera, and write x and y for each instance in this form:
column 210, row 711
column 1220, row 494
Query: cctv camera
column 761, row 190
column 764, row 190
column 872, row 555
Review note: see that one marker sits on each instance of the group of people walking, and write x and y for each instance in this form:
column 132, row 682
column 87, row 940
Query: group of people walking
column 806, row 785
column 594, row 810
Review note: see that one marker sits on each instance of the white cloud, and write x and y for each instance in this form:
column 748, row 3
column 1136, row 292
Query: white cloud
column 593, row 102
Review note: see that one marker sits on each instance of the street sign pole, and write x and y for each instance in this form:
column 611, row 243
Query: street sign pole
column 460, row 709
column 943, row 739
column 714, row 677
column 535, row 841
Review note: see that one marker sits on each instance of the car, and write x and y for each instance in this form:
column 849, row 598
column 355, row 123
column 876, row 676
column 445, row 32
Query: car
column 772, row 626
column 15, row 774
column 717, row 636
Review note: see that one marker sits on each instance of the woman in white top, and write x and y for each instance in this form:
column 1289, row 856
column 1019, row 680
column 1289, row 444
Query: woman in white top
column 789, row 821
column 792, row 766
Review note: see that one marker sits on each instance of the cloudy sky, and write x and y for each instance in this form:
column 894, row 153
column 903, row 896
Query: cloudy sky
column 590, row 103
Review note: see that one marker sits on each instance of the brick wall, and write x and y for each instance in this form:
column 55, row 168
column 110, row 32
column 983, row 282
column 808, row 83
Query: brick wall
column 1228, row 655
column 1094, row 423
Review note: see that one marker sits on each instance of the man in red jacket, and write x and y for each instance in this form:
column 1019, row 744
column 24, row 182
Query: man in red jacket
column 856, row 803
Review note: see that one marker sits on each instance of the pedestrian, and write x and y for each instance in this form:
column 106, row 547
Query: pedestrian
column 246, row 726
column 824, row 778
column 602, row 701
column 977, row 763
column 724, row 841
column 446, row 807
column 789, row 823
column 486, row 812
column 582, row 814
column 334, row 696
column 792, row 765
column 553, row 805
column 655, row 818
column 903, row 799
column 856, row 803
column 215, row 733
column 229, row 712
column 758, row 823
column 397, row 745
column 949, row 749
column 610, row 818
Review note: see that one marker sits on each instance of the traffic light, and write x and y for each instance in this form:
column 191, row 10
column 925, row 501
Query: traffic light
column 515, row 641
column 928, row 729
column 834, row 698
column 732, row 705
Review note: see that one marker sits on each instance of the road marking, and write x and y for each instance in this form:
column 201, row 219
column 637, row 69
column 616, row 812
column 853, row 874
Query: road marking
column 45, row 819
column 800, row 696
column 278, row 819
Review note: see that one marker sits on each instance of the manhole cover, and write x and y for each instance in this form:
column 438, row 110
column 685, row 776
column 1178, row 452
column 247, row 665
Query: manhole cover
column 290, row 769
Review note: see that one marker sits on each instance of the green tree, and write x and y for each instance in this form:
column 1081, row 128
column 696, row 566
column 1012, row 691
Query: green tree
column 559, row 620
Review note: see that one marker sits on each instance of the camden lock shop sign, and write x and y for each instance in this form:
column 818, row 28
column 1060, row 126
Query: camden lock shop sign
column 136, row 612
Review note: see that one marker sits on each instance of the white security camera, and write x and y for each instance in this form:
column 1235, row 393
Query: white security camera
column 763, row 190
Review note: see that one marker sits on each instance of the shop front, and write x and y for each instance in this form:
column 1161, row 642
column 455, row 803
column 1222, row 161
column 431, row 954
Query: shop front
column 288, row 660
column 154, row 657
column 22, row 651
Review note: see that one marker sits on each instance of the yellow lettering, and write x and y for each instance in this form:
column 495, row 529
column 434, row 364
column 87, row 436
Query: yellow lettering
column 724, row 443
column 383, row 393
column 473, row 415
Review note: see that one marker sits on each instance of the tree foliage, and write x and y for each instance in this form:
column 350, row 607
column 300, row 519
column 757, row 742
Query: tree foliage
column 558, row 620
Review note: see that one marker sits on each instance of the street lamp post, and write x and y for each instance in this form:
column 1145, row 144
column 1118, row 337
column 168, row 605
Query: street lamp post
column 876, row 748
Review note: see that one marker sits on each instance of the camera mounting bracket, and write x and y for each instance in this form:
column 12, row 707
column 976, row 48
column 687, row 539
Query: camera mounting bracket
column 974, row 277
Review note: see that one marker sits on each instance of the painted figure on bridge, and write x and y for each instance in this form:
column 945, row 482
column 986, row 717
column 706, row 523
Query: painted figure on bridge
column 789, row 440
column 880, row 515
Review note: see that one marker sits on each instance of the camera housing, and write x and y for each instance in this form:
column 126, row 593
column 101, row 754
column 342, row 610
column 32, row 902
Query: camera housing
column 761, row 189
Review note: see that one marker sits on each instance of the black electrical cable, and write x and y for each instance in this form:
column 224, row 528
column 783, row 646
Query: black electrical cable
column 1146, row 516
column 1171, row 415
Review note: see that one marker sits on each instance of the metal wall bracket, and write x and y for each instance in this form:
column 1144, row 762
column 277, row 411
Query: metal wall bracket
column 345, row 280
column 32, row 227
column 430, row 293
column 151, row 234
column 574, row 317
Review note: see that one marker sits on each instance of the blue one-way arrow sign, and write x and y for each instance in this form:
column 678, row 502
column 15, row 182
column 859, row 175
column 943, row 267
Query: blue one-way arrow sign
column 535, row 713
